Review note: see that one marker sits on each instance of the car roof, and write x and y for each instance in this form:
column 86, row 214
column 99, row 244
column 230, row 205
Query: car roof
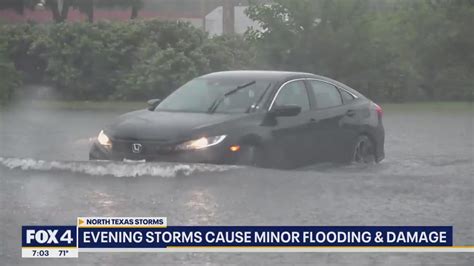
column 260, row 74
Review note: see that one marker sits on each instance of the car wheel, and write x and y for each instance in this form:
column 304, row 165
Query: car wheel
column 364, row 150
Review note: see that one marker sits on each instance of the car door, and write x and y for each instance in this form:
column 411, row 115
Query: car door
column 291, row 134
column 328, row 114
column 351, row 124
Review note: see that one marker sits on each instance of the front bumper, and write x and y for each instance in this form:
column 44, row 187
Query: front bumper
column 219, row 154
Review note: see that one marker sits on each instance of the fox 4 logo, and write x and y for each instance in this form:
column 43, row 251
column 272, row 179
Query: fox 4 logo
column 59, row 236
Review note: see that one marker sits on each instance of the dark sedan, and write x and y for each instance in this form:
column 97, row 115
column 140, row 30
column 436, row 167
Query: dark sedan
column 261, row 118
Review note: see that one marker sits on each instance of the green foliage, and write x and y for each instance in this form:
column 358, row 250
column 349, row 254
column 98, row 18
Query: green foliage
column 10, row 78
column 166, row 61
column 16, row 40
column 132, row 60
column 173, row 53
column 330, row 38
column 229, row 52
column 84, row 60
column 159, row 72
column 390, row 50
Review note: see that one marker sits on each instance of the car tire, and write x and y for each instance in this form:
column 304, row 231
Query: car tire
column 364, row 150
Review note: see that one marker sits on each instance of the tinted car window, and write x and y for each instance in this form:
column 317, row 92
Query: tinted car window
column 293, row 93
column 346, row 97
column 325, row 95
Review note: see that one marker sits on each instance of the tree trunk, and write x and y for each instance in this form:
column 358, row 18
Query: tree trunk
column 90, row 10
column 65, row 10
column 134, row 11
column 59, row 10
column 228, row 17
column 136, row 6
column 90, row 15
column 53, row 6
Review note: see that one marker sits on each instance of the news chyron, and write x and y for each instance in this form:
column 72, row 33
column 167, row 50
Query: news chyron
column 51, row 241
column 153, row 234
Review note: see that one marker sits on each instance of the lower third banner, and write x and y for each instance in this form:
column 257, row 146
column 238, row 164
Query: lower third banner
column 266, row 236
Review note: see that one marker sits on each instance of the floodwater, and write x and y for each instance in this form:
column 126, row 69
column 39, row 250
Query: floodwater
column 426, row 179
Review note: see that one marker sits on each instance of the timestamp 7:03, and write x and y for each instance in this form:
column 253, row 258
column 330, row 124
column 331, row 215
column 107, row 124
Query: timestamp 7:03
column 46, row 253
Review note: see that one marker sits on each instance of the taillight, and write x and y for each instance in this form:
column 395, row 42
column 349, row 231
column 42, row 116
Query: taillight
column 378, row 109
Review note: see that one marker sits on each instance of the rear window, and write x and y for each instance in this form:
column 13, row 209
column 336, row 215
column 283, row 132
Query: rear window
column 325, row 95
column 346, row 97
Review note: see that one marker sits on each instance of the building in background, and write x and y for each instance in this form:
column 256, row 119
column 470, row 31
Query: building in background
column 215, row 21
column 214, row 16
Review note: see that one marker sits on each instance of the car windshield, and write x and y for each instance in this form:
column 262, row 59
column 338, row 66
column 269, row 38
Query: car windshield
column 204, row 94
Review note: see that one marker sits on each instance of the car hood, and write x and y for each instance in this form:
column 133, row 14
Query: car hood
column 164, row 126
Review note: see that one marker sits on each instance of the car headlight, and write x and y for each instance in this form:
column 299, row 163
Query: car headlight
column 201, row 143
column 104, row 139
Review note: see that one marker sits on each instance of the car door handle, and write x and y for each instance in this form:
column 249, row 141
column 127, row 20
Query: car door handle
column 350, row 113
column 313, row 121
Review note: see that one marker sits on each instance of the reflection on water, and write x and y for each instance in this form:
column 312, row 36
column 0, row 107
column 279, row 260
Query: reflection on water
column 104, row 203
column 201, row 206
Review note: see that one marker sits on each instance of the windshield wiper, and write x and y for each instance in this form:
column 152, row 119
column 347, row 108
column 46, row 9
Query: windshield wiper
column 255, row 105
column 219, row 100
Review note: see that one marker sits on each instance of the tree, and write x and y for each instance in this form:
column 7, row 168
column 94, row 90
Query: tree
column 393, row 49
column 329, row 37
column 433, row 40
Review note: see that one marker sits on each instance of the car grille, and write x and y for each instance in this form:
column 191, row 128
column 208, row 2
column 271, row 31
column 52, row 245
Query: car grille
column 147, row 148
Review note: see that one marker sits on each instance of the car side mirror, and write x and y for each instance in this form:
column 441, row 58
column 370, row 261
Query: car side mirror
column 285, row 110
column 153, row 103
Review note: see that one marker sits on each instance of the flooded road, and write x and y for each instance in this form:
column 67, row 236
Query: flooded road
column 426, row 179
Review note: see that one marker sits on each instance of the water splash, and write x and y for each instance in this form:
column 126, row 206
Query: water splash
column 117, row 169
